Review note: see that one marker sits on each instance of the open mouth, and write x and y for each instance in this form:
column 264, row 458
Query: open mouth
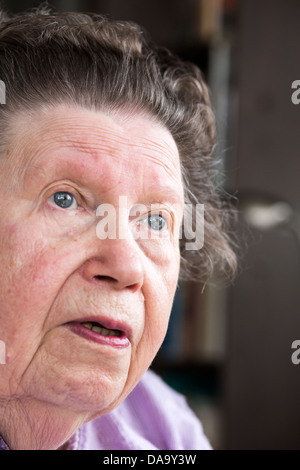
column 101, row 330
column 98, row 333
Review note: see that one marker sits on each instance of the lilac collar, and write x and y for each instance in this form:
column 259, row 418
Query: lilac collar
column 3, row 445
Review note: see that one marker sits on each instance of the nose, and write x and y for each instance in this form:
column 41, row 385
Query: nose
column 118, row 262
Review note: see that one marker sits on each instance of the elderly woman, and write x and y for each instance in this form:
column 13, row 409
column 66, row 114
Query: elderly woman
column 96, row 116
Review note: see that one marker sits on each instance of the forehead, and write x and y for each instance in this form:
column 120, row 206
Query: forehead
column 124, row 139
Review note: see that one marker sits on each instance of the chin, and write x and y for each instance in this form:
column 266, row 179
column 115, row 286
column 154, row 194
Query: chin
column 78, row 388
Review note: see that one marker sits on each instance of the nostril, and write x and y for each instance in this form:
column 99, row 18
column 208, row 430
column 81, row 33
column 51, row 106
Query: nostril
column 133, row 286
column 104, row 278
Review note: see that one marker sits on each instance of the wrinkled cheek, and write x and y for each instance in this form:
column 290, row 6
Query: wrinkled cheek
column 162, row 302
column 158, row 306
column 170, row 275
column 26, row 260
column 28, row 285
column 149, row 345
column 32, row 258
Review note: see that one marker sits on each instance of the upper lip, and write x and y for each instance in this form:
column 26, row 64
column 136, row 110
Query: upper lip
column 109, row 323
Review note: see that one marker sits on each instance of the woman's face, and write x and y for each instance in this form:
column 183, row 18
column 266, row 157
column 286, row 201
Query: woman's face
column 59, row 276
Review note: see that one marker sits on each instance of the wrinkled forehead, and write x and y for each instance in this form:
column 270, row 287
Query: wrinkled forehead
column 122, row 135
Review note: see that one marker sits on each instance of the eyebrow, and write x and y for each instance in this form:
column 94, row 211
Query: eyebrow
column 165, row 193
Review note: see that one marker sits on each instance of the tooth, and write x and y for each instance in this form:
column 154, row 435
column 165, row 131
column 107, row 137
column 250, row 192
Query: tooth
column 101, row 329
column 97, row 329
column 104, row 331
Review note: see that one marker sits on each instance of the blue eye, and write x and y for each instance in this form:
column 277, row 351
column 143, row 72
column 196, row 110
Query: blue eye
column 64, row 200
column 156, row 222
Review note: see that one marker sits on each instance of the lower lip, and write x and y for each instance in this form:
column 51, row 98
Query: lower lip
column 118, row 342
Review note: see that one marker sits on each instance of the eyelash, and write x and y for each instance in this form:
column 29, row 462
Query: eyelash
column 52, row 198
column 81, row 203
column 140, row 220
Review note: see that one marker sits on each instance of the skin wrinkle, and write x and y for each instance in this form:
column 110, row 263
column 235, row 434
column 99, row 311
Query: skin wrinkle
column 53, row 280
column 72, row 144
column 59, row 291
column 107, row 151
column 84, row 145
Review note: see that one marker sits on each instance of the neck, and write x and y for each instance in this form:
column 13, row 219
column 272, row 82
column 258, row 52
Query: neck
column 37, row 426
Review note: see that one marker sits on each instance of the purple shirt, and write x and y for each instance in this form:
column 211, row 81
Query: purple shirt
column 152, row 417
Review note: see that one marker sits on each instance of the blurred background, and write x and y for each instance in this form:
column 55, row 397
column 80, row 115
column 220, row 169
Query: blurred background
column 229, row 348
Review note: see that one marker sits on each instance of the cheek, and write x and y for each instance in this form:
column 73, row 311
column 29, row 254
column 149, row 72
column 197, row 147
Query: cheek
column 23, row 256
column 158, row 311
column 31, row 274
column 159, row 294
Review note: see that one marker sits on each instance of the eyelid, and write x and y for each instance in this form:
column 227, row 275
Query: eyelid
column 67, row 186
column 73, row 193
column 164, row 212
column 83, row 204
column 66, row 192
